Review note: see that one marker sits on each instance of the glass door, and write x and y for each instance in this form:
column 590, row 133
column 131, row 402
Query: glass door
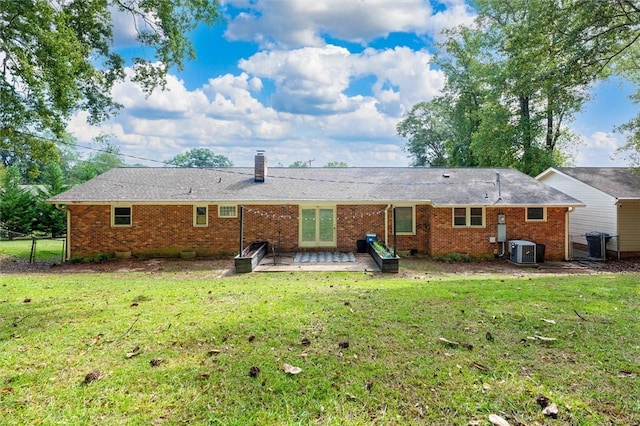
column 317, row 227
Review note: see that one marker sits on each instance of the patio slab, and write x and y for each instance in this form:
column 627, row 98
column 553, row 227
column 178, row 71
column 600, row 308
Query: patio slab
column 362, row 262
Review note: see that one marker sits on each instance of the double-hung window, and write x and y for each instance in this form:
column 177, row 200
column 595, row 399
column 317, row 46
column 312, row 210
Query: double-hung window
column 121, row 216
column 404, row 220
column 200, row 216
column 465, row 217
column 536, row 214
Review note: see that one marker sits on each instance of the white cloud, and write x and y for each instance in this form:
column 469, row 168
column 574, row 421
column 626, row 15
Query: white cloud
column 294, row 23
column 599, row 149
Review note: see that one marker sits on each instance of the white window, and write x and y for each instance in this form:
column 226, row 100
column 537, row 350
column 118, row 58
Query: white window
column 536, row 214
column 404, row 220
column 227, row 211
column 200, row 216
column 121, row 216
column 466, row 217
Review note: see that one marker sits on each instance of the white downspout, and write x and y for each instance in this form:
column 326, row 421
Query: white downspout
column 386, row 225
column 566, row 233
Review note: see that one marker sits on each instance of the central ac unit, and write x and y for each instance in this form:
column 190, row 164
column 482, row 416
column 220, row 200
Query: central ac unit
column 522, row 251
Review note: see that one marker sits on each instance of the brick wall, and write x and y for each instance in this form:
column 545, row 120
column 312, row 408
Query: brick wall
column 446, row 239
column 166, row 230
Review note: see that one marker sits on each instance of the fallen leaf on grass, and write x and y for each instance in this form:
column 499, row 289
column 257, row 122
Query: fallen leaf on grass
column 27, row 300
column 92, row 376
column 480, row 367
column 542, row 401
column 204, row 375
column 448, row 342
column 214, row 352
column 549, row 321
column 305, row 342
column 290, row 369
column 497, row 420
column 545, row 339
column 254, row 371
column 134, row 352
column 156, row 362
column 625, row 373
column 551, row 411
column 343, row 345
column 96, row 340
column 6, row 390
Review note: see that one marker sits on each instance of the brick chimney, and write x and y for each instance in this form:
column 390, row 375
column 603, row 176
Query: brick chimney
column 260, row 173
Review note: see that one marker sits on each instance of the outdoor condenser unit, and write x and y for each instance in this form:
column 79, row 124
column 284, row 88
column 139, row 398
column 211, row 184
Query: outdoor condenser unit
column 522, row 251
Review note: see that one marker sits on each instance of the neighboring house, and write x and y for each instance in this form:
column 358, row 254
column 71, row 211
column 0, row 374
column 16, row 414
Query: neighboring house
column 612, row 198
column 163, row 211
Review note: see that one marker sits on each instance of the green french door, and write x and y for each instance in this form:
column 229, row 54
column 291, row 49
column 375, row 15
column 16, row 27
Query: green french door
column 317, row 227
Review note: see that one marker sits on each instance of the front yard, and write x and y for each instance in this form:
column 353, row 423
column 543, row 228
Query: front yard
column 177, row 345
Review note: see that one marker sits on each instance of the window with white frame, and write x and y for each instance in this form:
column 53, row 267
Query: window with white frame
column 200, row 216
column 468, row 217
column 536, row 214
column 227, row 211
column 404, row 220
column 121, row 216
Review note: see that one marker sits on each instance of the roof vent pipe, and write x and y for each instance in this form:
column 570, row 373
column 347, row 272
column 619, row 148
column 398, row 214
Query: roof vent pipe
column 260, row 173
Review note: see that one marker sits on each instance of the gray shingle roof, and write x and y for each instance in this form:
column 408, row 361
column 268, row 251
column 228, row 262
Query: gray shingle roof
column 453, row 186
column 619, row 182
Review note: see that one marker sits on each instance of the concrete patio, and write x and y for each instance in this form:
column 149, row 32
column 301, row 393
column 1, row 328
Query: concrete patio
column 313, row 262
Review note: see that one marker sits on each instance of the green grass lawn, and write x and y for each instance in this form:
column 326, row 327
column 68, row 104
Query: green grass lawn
column 45, row 250
column 178, row 347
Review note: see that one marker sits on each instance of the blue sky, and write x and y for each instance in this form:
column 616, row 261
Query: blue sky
column 313, row 80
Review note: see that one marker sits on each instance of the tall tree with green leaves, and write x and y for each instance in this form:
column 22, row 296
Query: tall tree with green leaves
column 519, row 75
column 17, row 205
column 58, row 57
column 51, row 219
column 200, row 157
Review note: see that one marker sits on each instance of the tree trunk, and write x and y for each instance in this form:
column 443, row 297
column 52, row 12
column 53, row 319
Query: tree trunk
column 525, row 129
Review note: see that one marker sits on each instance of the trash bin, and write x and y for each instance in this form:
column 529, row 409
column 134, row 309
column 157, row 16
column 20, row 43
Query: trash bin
column 362, row 246
column 595, row 243
column 540, row 248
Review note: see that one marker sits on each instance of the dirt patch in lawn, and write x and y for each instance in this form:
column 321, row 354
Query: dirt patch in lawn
column 411, row 267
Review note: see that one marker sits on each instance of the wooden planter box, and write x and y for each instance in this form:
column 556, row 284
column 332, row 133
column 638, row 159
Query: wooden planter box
column 250, row 257
column 386, row 264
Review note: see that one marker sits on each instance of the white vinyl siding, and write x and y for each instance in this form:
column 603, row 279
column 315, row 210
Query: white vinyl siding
column 599, row 215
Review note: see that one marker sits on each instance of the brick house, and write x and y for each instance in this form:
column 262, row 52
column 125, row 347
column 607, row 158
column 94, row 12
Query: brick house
column 164, row 211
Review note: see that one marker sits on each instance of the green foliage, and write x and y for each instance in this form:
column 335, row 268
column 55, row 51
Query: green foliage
column 454, row 258
column 200, row 157
column 516, row 79
column 58, row 58
column 51, row 219
column 17, row 205
column 300, row 163
column 336, row 164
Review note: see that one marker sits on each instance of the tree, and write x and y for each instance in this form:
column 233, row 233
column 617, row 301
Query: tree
column 58, row 58
column 428, row 130
column 517, row 77
column 334, row 164
column 300, row 164
column 200, row 157
column 50, row 219
column 17, row 205
column 106, row 158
